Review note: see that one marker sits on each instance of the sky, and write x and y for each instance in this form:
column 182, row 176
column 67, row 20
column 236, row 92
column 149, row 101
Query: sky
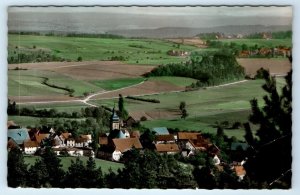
column 101, row 19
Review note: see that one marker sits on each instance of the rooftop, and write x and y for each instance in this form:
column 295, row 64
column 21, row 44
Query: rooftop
column 160, row 130
column 167, row 147
column 127, row 143
column 19, row 135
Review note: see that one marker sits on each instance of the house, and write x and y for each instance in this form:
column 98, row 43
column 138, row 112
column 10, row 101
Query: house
column 11, row 144
column 40, row 137
column 240, row 172
column 160, row 131
column 88, row 138
column 70, row 142
column 18, row 135
column 163, row 139
column 58, row 142
column 82, row 142
column 168, row 148
column 30, row 147
column 68, row 151
column 103, row 139
column 123, row 145
column 183, row 139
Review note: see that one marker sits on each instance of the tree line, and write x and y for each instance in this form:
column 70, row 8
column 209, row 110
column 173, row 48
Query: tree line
column 208, row 70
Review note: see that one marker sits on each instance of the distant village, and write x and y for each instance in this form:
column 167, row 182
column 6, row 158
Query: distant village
column 119, row 139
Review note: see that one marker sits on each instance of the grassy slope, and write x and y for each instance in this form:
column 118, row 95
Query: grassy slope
column 178, row 81
column 66, row 162
column 260, row 42
column 117, row 83
column 205, row 107
column 29, row 83
column 25, row 121
column 151, row 51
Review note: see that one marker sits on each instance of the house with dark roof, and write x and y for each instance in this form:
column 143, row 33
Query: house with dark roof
column 18, row 135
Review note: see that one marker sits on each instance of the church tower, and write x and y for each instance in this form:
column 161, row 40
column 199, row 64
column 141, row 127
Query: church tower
column 114, row 121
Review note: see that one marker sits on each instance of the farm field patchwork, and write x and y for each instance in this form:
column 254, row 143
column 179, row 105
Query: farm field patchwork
column 66, row 162
column 205, row 107
column 276, row 66
column 137, row 51
column 30, row 83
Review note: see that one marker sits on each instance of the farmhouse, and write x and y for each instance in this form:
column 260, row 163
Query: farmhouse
column 163, row 139
column 168, row 148
column 30, row 147
column 123, row 145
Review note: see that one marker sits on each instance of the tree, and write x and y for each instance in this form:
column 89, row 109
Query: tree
column 184, row 114
column 16, row 169
column 75, row 175
column 54, row 167
column 182, row 105
column 38, row 175
column 147, row 139
column 274, row 136
column 123, row 112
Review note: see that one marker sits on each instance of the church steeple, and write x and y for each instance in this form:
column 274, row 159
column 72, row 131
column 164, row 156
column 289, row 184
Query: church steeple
column 114, row 120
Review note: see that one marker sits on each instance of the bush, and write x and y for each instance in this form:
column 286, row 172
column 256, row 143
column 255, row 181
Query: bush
column 143, row 99
column 79, row 59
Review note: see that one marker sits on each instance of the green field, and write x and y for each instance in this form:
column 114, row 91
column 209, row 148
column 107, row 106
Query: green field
column 205, row 107
column 178, row 81
column 29, row 83
column 137, row 51
column 66, row 162
column 25, row 121
column 260, row 42
column 117, row 83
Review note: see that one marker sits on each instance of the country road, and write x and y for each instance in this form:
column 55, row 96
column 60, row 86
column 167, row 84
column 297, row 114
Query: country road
column 86, row 99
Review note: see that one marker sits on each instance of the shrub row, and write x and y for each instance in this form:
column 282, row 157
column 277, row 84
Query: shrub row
column 143, row 99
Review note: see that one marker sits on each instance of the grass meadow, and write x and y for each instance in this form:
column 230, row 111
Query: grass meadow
column 134, row 51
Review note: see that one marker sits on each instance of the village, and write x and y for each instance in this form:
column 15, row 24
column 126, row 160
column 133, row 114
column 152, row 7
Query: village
column 120, row 139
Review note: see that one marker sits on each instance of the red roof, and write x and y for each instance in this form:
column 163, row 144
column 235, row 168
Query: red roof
column 127, row 143
column 167, row 147
column 187, row 135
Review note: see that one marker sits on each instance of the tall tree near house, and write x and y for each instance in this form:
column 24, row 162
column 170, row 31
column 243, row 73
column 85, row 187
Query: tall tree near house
column 271, row 162
column 54, row 167
column 16, row 169
column 122, row 110
column 38, row 175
